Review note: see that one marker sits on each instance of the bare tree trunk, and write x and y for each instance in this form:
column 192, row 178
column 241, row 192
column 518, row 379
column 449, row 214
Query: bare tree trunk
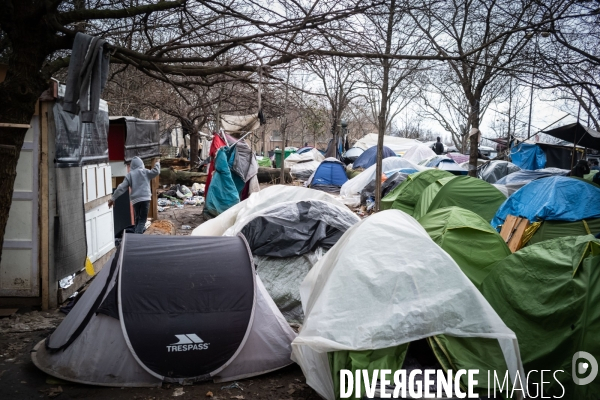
column 474, row 138
column 284, row 127
column 383, row 108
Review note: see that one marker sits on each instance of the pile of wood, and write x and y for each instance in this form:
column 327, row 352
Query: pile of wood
column 170, row 176
column 179, row 164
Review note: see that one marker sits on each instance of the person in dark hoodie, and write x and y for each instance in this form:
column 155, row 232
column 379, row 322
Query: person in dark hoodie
column 138, row 179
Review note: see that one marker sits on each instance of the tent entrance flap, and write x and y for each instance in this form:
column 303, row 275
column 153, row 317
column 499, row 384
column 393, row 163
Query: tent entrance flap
column 181, row 322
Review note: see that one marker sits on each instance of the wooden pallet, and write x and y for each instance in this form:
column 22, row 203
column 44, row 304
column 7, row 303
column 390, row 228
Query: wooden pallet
column 513, row 230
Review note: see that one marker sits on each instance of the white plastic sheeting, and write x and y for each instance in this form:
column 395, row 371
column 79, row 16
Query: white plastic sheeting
column 350, row 191
column 259, row 201
column 397, row 144
column 303, row 171
column 312, row 155
column 386, row 283
column 418, row 152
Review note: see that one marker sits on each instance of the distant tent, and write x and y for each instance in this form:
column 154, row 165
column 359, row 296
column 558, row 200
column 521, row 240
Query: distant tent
column 469, row 193
column 418, row 153
column 548, row 295
column 352, row 154
column 329, row 176
column 496, row 169
column 369, row 157
column 468, row 238
column 556, row 198
column 397, row 144
column 516, row 180
column 428, row 195
column 147, row 319
column 360, row 317
column 528, row 156
column 351, row 190
column 405, row 196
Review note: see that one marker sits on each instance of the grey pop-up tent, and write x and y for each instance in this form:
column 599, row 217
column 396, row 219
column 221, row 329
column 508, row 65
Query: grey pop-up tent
column 173, row 309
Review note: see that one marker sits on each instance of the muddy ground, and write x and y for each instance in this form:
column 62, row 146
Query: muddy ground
column 20, row 379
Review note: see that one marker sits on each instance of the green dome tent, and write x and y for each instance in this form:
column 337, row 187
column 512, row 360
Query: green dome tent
column 405, row 196
column 548, row 294
column 474, row 245
column 428, row 195
column 470, row 193
column 471, row 241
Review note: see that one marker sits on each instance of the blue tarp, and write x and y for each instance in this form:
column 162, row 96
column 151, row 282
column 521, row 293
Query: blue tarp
column 557, row 198
column 528, row 156
column 369, row 157
column 330, row 172
column 224, row 187
column 526, row 176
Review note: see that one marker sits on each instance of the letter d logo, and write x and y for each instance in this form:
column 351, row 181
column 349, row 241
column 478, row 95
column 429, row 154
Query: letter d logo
column 583, row 367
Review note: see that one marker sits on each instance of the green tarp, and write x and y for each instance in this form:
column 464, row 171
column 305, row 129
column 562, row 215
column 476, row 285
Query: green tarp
column 548, row 294
column 405, row 196
column 470, row 193
column 264, row 162
column 469, row 239
column 428, row 195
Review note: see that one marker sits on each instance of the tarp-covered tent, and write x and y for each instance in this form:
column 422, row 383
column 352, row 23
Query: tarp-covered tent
column 428, row 195
column 311, row 154
column 397, row 144
column 528, row 156
column 352, row 154
column 329, row 176
column 416, row 291
column 418, row 153
column 387, row 186
column 469, row 193
column 350, row 191
column 525, row 176
column 496, row 169
column 139, row 323
column 469, row 239
column 556, row 198
column 548, row 295
column 286, row 240
column 405, row 196
column 578, row 134
column 445, row 163
column 369, row 157
column 303, row 165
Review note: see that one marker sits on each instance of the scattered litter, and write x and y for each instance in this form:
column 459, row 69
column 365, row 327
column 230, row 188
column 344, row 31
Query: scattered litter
column 234, row 385
column 240, row 397
column 209, row 393
column 194, row 201
column 164, row 202
column 52, row 392
column 180, row 206
column 66, row 282
column 186, row 227
column 178, row 392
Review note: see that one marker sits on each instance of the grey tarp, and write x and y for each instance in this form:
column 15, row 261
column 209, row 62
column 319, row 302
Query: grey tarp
column 79, row 143
column 143, row 139
column 494, row 170
column 102, row 352
column 296, row 228
column 288, row 239
column 69, row 225
column 244, row 163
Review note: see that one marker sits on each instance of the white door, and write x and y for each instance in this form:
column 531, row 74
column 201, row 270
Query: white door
column 19, row 266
